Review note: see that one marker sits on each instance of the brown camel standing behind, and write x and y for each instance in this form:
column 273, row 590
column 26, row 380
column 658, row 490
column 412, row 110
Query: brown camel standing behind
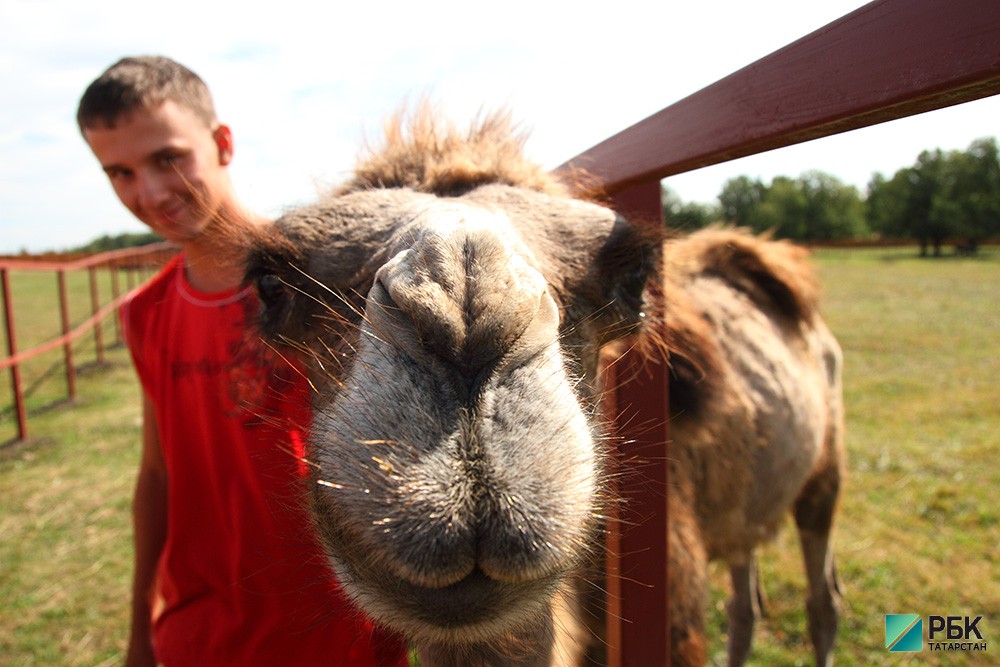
column 756, row 429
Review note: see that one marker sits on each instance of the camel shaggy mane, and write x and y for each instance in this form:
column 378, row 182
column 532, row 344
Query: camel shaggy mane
column 421, row 152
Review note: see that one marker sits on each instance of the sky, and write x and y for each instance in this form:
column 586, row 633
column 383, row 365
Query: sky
column 304, row 85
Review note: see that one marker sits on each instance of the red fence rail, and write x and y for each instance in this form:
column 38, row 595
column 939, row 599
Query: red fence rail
column 884, row 61
column 131, row 261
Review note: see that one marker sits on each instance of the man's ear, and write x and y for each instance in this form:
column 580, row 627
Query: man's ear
column 224, row 141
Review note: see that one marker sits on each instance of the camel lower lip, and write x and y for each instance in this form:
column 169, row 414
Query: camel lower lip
column 474, row 600
column 455, row 604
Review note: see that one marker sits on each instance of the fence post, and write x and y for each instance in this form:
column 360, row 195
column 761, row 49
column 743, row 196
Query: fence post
column 95, row 307
column 115, row 291
column 15, row 369
column 638, row 612
column 68, row 347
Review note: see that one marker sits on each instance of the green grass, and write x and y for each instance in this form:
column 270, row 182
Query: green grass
column 65, row 554
column 918, row 531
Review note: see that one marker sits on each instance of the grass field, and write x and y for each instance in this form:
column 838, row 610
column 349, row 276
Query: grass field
column 918, row 531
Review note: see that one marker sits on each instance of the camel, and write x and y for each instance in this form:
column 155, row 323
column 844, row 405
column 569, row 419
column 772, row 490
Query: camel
column 454, row 301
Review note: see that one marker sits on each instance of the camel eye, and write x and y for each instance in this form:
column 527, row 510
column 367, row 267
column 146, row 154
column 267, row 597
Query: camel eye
column 632, row 284
column 271, row 289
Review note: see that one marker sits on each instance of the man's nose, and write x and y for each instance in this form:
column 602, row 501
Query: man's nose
column 153, row 191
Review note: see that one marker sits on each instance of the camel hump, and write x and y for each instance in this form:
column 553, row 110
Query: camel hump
column 775, row 275
column 420, row 150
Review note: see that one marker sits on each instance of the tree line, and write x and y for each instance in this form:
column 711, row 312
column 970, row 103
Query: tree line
column 944, row 195
column 118, row 241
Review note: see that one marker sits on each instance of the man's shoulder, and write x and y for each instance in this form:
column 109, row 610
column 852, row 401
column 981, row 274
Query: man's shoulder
column 144, row 301
column 158, row 287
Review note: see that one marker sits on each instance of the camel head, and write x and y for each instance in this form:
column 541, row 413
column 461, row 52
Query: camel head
column 452, row 302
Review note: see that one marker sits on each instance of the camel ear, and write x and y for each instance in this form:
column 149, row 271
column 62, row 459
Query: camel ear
column 268, row 265
column 275, row 296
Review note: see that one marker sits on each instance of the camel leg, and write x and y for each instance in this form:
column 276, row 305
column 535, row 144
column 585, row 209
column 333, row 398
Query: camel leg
column 761, row 593
column 814, row 512
column 743, row 609
column 687, row 581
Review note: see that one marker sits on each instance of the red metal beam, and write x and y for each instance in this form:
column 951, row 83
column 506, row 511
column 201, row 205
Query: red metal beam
column 100, row 259
column 887, row 60
column 68, row 347
column 637, row 600
column 15, row 372
column 115, row 291
column 95, row 307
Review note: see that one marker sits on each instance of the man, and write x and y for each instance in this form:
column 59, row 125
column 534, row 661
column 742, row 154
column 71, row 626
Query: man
column 226, row 569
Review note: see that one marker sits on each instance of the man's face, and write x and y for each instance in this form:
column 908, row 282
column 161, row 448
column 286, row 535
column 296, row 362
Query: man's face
column 167, row 166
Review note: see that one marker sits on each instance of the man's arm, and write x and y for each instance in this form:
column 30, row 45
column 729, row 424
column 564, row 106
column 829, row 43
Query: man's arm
column 149, row 517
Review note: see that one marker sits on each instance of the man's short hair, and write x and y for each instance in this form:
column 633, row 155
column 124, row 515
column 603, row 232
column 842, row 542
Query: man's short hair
column 143, row 82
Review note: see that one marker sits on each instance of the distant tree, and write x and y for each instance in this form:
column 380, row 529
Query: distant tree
column 943, row 195
column 814, row 207
column 119, row 241
column 969, row 198
column 901, row 206
column 686, row 216
column 886, row 205
column 741, row 196
column 835, row 210
column 783, row 210
column 926, row 180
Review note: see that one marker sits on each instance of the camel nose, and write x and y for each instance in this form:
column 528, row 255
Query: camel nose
column 462, row 293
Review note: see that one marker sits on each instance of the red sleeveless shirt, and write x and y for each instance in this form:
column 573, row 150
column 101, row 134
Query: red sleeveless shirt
column 242, row 579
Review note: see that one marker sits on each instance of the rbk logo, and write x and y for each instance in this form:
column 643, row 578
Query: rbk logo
column 904, row 632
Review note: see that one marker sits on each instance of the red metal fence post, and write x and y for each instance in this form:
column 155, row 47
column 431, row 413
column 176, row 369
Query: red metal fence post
column 68, row 347
column 115, row 291
column 95, row 307
column 15, row 370
column 638, row 623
